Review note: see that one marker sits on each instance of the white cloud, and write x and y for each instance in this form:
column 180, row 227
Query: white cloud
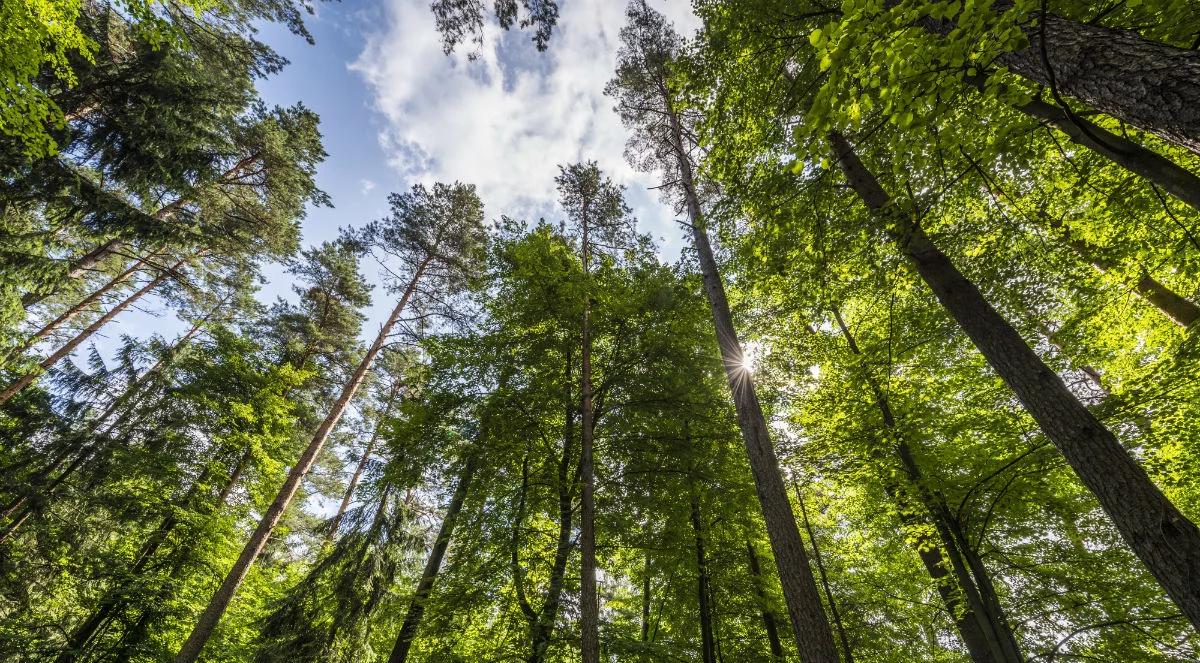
column 506, row 120
column 367, row 186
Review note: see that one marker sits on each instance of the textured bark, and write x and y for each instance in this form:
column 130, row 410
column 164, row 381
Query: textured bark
column 984, row 630
column 70, row 346
column 708, row 652
column 1150, row 85
column 362, row 463
column 809, row 622
column 416, row 608
column 589, row 602
column 767, row 616
column 1179, row 309
column 847, row 652
column 207, row 621
column 1162, row 537
column 1136, row 158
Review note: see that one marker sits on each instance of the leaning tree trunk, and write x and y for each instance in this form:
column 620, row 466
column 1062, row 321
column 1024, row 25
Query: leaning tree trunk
column 1150, row 85
column 416, row 608
column 1162, row 537
column 847, row 653
column 1178, row 308
column 69, row 347
column 207, row 622
column 983, row 626
column 810, row 625
column 69, row 314
column 362, row 463
column 760, row 594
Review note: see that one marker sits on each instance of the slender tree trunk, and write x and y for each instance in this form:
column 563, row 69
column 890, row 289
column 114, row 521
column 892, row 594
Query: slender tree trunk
column 984, row 630
column 1173, row 305
column 707, row 648
column 416, row 608
column 542, row 627
column 847, row 653
column 768, row 617
column 1153, row 86
column 207, row 622
column 69, row 314
column 362, row 463
column 589, row 603
column 809, row 622
column 646, row 588
column 1162, row 537
column 69, row 347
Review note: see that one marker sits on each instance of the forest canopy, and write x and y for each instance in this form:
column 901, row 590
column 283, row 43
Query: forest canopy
column 918, row 387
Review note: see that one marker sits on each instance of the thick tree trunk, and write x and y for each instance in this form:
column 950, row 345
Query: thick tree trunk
column 1166, row 541
column 847, row 653
column 416, row 608
column 1134, row 157
column 362, row 463
column 69, row 347
column 768, row 617
column 809, row 622
column 1150, row 85
column 589, row 602
column 207, row 622
column 1173, row 305
column 984, row 630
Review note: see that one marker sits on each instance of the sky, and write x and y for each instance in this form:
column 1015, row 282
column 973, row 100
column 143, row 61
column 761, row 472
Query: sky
column 396, row 110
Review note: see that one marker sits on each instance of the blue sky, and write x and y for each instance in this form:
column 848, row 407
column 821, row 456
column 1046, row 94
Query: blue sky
column 396, row 111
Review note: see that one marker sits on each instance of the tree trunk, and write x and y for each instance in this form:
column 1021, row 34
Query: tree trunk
column 809, row 622
column 984, row 630
column 362, row 462
column 416, row 608
column 708, row 652
column 645, row 633
column 212, row 613
column 768, row 617
column 1150, row 85
column 1166, row 541
column 75, row 310
column 542, row 626
column 69, row 347
column 1173, row 305
column 589, row 603
column 1136, row 158
column 847, row 653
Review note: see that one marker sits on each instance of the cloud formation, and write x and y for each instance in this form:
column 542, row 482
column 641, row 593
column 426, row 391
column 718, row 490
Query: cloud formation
column 507, row 119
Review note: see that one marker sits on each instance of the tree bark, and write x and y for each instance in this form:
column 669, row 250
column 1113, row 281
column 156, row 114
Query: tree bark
column 542, row 625
column 768, row 617
column 362, row 462
column 589, row 603
column 207, row 622
column 847, row 653
column 76, row 309
column 416, row 608
column 984, row 631
column 69, row 347
column 1150, row 85
column 708, row 652
column 809, row 622
column 1179, row 309
column 1162, row 537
